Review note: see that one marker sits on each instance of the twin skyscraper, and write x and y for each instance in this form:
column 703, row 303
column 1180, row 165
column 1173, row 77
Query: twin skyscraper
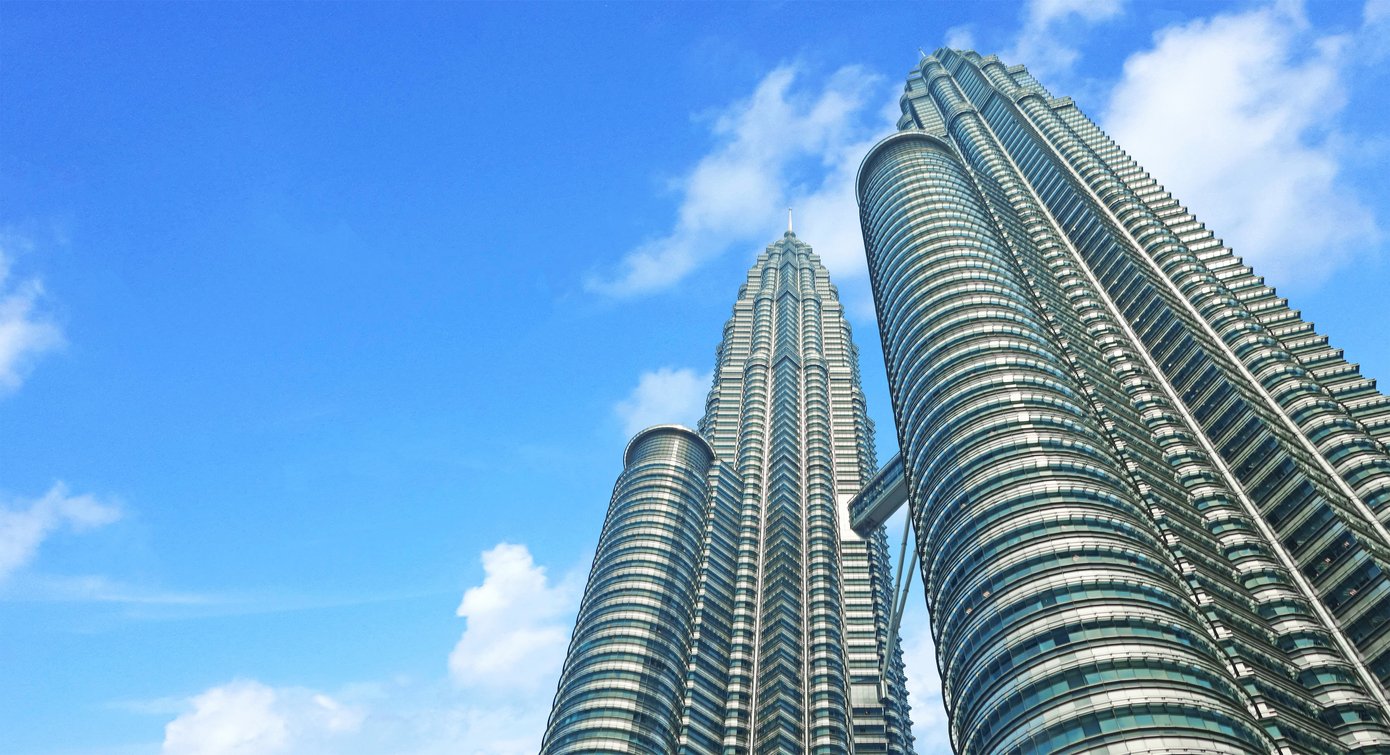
column 1150, row 502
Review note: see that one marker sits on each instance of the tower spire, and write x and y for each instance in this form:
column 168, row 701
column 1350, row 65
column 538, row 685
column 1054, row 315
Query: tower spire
column 789, row 222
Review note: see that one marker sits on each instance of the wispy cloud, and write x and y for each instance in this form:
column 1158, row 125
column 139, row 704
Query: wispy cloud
column 26, row 523
column 1043, row 42
column 664, row 396
column 96, row 588
column 960, row 37
column 788, row 144
column 1373, row 40
column 26, row 331
column 1236, row 115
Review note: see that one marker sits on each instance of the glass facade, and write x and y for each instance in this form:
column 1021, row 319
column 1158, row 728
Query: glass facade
column 731, row 608
column 1150, row 501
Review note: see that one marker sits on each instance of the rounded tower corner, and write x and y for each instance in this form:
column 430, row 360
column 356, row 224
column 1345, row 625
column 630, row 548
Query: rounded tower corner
column 673, row 429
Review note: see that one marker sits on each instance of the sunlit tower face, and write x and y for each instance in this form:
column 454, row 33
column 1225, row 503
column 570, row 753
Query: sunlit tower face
column 1149, row 500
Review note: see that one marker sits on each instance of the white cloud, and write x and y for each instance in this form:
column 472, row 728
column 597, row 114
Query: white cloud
column 26, row 524
column 518, row 626
column 783, row 146
column 495, row 700
column 246, row 717
column 664, row 396
column 399, row 716
column 508, row 661
column 1041, row 42
column 25, row 331
column 1235, row 115
column 960, row 37
column 235, row 718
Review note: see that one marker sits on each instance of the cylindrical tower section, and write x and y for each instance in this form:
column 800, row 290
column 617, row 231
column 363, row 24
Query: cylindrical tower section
column 624, row 677
column 1061, row 620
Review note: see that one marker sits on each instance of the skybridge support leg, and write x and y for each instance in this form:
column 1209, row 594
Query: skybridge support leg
column 901, row 587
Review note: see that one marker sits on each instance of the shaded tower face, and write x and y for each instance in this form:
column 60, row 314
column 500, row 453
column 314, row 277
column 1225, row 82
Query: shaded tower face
column 1150, row 501
column 750, row 588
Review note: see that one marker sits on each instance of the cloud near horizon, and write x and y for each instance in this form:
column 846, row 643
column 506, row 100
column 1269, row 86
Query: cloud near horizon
column 246, row 717
column 494, row 701
column 787, row 144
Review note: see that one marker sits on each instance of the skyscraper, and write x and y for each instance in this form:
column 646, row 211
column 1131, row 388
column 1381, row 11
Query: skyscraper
column 1150, row 500
column 731, row 608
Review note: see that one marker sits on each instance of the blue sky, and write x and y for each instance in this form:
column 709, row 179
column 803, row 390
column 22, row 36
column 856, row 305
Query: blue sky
column 322, row 327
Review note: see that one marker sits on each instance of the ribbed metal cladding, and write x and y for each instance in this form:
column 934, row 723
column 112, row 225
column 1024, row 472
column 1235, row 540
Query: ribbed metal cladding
column 1044, row 304
column 623, row 683
column 1278, row 439
column 1316, row 465
column 1059, row 615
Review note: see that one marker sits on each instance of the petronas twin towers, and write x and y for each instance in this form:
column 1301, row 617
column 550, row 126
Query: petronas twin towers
column 1150, row 502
